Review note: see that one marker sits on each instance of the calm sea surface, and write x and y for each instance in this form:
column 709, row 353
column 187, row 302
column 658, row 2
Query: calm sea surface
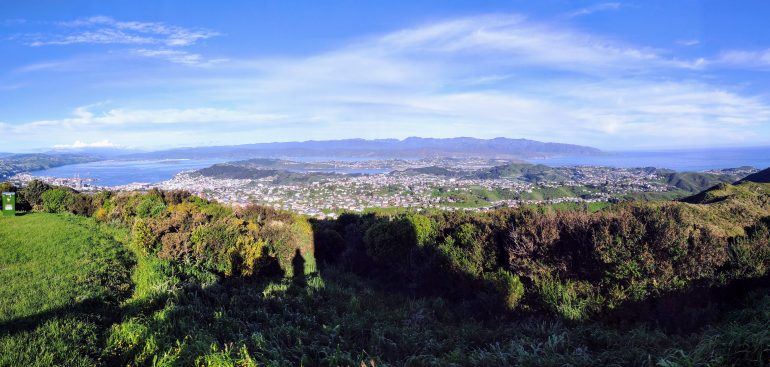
column 680, row 160
column 113, row 173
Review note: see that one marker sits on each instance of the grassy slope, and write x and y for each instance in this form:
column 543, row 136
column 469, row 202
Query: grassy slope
column 60, row 280
column 731, row 208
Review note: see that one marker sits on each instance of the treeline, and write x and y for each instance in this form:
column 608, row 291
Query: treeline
column 572, row 263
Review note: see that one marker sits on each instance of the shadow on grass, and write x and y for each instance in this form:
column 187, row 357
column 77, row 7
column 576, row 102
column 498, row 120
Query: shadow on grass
column 180, row 329
column 94, row 310
column 686, row 311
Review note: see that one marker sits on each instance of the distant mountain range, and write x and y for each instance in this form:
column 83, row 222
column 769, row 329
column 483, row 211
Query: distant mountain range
column 381, row 148
column 99, row 152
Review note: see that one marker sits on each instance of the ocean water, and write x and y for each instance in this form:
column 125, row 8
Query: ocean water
column 122, row 172
column 679, row 160
column 117, row 172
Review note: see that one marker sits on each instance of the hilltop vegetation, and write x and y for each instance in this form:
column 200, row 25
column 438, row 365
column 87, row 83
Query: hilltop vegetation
column 759, row 177
column 630, row 284
column 279, row 176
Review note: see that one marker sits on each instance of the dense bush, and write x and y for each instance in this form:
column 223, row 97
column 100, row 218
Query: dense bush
column 57, row 200
column 151, row 205
column 507, row 288
column 573, row 263
column 32, row 194
column 390, row 241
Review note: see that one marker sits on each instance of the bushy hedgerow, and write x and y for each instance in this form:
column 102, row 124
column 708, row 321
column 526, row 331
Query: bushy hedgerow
column 574, row 263
column 390, row 241
column 182, row 228
column 57, row 200
column 245, row 242
column 31, row 195
column 424, row 229
column 151, row 205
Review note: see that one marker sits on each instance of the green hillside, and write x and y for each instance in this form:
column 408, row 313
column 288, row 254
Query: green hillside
column 760, row 177
column 61, row 281
column 524, row 171
column 693, row 182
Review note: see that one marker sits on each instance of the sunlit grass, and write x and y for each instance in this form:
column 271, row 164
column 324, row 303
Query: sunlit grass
column 60, row 280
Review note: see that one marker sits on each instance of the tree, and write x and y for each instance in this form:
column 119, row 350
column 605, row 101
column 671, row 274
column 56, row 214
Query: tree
column 32, row 194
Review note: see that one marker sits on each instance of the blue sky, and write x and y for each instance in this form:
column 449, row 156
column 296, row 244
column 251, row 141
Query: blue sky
column 614, row 75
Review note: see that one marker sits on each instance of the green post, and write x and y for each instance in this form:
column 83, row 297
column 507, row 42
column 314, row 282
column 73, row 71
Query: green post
column 9, row 204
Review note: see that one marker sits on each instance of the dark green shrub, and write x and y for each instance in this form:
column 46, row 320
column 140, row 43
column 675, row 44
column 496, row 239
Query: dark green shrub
column 150, row 205
column 389, row 242
column 143, row 238
column 458, row 259
column 32, row 193
column 215, row 245
column 508, row 290
column 530, row 241
column 57, row 200
column 424, row 229
column 329, row 244
column 569, row 299
column 81, row 204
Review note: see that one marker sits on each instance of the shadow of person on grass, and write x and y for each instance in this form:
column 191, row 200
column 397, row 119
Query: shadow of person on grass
column 298, row 269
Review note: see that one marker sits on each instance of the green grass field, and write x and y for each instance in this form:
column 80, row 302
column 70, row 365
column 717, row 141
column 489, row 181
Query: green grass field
column 61, row 280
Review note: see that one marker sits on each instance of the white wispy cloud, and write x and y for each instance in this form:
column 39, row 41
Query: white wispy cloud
column 80, row 144
column 12, row 22
column 106, row 30
column 749, row 59
column 688, row 42
column 593, row 9
column 525, row 42
column 84, row 117
column 179, row 57
column 157, row 40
